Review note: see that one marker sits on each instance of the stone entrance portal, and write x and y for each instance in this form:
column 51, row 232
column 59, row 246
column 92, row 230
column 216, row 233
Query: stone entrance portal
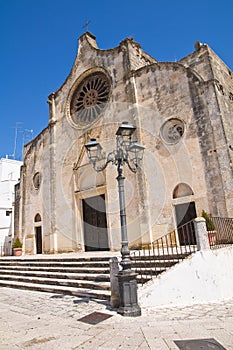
column 95, row 224
column 38, row 233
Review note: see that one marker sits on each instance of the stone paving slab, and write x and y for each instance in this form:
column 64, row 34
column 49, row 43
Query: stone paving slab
column 34, row 320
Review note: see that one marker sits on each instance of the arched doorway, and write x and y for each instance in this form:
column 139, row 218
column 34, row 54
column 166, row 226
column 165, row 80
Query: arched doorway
column 38, row 233
column 185, row 212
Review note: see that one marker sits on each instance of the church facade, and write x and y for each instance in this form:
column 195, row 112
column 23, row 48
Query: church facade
column 183, row 114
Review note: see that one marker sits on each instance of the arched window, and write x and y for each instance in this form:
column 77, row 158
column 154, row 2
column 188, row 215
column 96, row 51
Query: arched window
column 182, row 190
column 37, row 218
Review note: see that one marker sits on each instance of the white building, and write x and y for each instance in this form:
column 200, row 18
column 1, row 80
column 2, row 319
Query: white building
column 9, row 176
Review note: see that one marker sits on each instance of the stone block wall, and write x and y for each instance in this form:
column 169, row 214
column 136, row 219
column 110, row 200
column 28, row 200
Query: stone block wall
column 147, row 94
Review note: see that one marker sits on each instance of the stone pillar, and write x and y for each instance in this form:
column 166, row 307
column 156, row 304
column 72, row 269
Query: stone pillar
column 201, row 234
column 114, row 285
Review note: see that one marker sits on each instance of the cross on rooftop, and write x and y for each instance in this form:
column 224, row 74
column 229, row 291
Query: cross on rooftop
column 86, row 25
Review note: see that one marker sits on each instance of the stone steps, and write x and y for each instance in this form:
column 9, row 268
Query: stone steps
column 147, row 265
column 80, row 276
column 59, row 275
column 159, row 256
column 58, row 281
column 79, row 292
column 89, row 277
column 57, row 264
column 151, row 263
column 61, row 269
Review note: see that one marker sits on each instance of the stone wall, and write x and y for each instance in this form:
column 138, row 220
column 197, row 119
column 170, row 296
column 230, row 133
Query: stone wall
column 166, row 165
column 151, row 96
column 36, row 192
column 213, row 110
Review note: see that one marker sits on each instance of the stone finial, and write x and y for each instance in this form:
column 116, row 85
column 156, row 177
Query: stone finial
column 197, row 45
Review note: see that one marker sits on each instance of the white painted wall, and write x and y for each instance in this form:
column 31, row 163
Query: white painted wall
column 9, row 175
column 10, row 169
column 206, row 276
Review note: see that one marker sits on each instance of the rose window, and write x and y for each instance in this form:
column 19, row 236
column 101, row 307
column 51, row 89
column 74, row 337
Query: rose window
column 90, row 98
column 172, row 130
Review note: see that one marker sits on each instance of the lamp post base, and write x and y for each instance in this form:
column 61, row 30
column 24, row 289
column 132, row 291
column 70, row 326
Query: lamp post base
column 128, row 294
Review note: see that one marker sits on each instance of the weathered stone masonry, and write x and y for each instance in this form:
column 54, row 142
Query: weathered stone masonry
column 183, row 114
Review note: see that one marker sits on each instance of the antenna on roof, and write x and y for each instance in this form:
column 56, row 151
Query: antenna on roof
column 15, row 140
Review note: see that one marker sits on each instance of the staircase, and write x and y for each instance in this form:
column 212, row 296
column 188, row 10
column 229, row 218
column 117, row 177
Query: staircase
column 82, row 277
column 78, row 276
column 148, row 266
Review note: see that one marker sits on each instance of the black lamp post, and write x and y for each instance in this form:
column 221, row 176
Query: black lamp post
column 127, row 152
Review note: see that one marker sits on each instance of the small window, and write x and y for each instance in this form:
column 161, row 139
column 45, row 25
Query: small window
column 37, row 180
column 37, row 218
column 182, row 190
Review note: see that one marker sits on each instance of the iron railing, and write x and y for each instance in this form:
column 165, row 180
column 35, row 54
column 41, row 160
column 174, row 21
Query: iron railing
column 222, row 234
column 164, row 252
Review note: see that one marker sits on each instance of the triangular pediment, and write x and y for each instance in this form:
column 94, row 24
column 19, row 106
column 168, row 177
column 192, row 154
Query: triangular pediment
column 85, row 176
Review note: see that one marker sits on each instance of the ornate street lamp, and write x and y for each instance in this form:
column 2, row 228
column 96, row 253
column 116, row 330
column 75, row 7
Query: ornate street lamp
column 131, row 153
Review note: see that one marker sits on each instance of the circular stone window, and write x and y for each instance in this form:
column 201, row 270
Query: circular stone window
column 172, row 130
column 37, row 180
column 89, row 99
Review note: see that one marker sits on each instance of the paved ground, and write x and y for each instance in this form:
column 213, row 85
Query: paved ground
column 35, row 320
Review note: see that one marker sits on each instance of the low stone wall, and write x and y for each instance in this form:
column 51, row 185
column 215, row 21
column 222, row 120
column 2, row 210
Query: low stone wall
column 207, row 276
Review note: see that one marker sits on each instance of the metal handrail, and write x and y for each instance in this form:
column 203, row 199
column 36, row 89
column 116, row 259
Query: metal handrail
column 164, row 252
column 222, row 235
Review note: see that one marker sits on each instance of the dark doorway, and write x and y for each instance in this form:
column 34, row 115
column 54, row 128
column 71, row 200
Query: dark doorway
column 95, row 223
column 185, row 213
column 38, row 240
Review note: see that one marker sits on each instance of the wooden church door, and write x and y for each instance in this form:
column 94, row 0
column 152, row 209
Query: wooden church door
column 38, row 240
column 95, row 224
column 185, row 213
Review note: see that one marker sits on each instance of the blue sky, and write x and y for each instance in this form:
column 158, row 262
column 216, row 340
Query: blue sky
column 38, row 41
